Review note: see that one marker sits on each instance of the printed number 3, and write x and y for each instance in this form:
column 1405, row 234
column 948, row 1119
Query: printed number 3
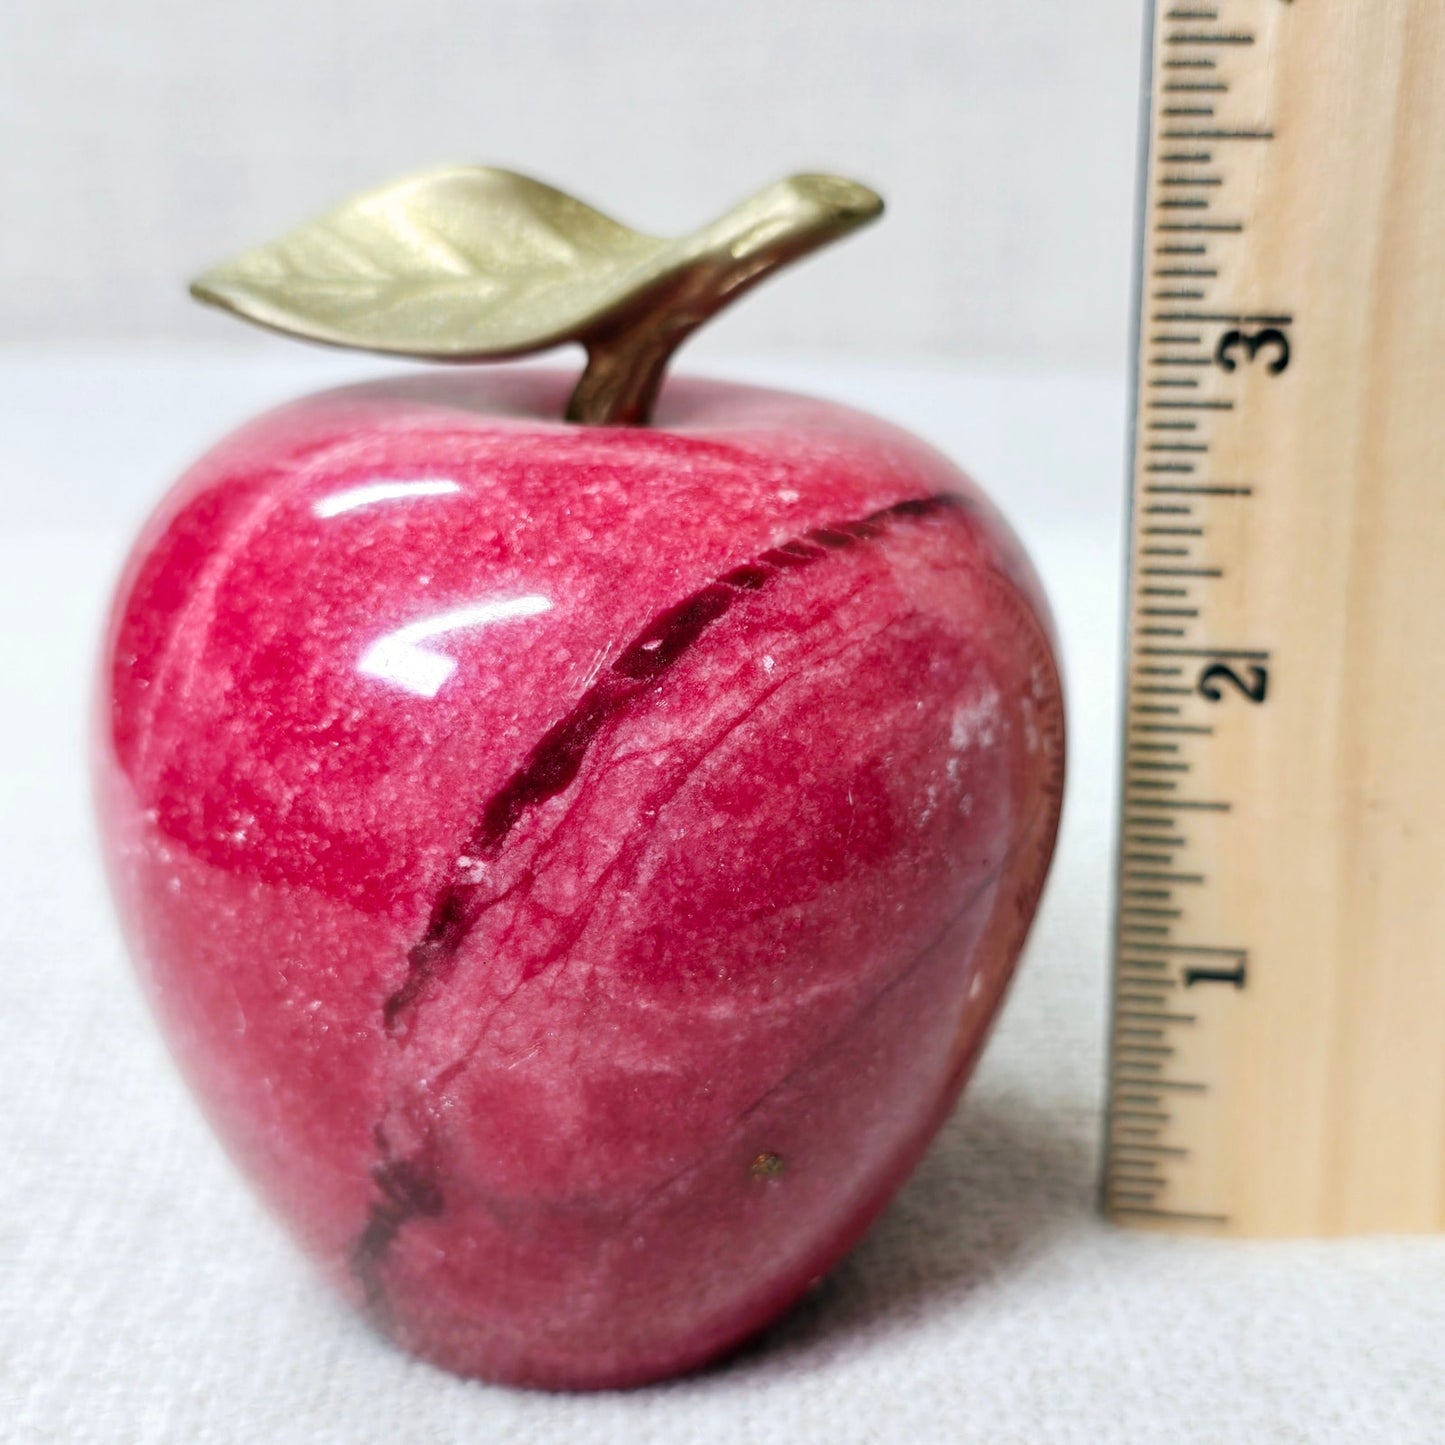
column 1252, row 343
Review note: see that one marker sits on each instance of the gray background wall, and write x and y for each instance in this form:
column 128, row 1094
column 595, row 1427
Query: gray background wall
column 142, row 139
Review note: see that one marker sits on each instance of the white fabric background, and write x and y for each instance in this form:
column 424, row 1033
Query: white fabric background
column 144, row 1297
column 142, row 140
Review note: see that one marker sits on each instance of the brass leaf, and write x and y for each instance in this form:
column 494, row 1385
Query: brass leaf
column 471, row 263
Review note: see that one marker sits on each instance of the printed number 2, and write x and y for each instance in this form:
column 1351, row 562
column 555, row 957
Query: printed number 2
column 1216, row 673
column 1251, row 343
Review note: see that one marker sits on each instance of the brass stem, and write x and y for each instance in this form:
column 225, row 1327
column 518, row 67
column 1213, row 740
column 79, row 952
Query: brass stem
column 627, row 355
column 622, row 378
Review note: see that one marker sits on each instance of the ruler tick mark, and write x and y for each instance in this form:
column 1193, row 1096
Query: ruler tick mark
column 1190, row 805
column 1206, row 950
column 1201, row 491
column 1223, row 227
column 1157, row 405
column 1210, row 37
column 1233, row 318
column 1217, row 133
column 1228, row 653
column 1177, row 1214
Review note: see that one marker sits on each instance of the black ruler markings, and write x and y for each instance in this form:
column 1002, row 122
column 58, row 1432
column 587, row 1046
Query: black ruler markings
column 1178, row 678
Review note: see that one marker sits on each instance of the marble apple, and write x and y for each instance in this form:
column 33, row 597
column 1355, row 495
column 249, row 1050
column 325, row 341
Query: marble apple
column 576, row 865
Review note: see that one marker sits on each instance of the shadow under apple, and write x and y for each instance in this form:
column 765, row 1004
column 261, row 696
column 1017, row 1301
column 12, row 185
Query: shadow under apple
column 1003, row 1178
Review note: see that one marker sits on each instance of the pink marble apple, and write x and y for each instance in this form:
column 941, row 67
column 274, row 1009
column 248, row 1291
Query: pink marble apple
column 576, row 866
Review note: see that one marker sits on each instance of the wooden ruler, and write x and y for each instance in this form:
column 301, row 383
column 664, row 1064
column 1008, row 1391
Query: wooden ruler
column 1278, row 1061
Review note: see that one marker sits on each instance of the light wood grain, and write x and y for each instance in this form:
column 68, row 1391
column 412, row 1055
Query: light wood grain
column 1320, row 1106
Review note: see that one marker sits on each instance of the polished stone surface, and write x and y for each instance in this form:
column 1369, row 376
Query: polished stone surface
column 576, row 869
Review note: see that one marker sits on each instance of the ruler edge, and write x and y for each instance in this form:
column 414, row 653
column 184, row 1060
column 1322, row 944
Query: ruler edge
column 1144, row 153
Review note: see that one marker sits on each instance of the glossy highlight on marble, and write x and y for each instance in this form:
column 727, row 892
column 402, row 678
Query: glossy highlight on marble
column 523, row 830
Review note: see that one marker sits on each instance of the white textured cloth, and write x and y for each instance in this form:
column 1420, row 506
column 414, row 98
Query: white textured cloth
column 145, row 1297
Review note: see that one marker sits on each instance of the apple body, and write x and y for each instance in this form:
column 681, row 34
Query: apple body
column 576, row 868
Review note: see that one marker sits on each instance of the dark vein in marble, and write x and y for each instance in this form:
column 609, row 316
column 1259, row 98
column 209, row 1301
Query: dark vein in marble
column 407, row 1188
column 556, row 760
